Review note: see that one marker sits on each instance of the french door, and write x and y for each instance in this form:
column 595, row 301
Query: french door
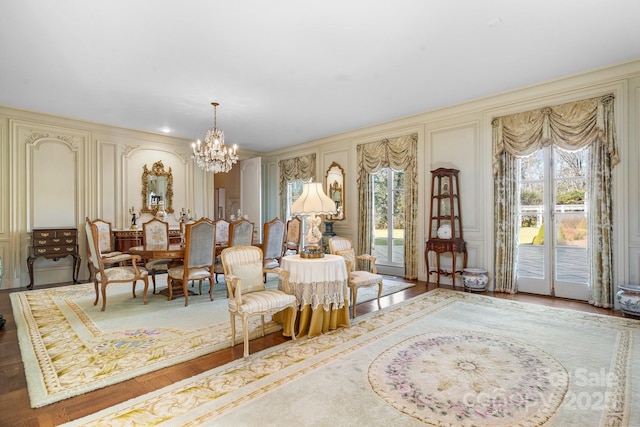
column 553, row 242
column 388, row 221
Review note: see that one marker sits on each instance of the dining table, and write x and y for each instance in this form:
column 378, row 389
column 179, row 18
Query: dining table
column 172, row 251
column 320, row 286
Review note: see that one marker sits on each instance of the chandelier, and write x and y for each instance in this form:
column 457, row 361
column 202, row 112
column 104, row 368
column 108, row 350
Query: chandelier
column 213, row 155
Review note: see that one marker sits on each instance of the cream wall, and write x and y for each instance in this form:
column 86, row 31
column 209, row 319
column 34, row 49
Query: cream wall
column 57, row 171
column 460, row 137
column 100, row 168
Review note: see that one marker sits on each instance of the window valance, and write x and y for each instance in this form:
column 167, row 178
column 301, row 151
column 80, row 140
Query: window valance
column 302, row 167
column 569, row 126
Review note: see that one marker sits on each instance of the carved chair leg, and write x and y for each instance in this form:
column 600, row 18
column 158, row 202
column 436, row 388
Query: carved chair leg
column 245, row 334
column 104, row 297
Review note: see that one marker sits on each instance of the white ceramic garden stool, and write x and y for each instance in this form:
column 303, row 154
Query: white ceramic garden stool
column 629, row 299
column 475, row 279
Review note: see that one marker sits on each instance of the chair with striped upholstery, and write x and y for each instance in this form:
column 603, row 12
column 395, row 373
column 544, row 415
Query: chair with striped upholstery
column 247, row 295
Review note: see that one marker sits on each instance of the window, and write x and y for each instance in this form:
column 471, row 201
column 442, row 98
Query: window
column 294, row 190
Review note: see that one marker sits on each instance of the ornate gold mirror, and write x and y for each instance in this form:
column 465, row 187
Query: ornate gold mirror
column 335, row 190
column 157, row 186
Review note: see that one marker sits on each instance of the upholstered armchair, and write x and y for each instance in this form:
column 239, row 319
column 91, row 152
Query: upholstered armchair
column 156, row 232
column 222, row 239
column 293, row 236
column 247, row 295
column 241, row 233
column 105, row 276
column 199, row 254
column 108, row 253
column 357, row 278
column 272, row 244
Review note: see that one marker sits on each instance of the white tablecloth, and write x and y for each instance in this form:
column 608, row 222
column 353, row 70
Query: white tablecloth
column 316, row 281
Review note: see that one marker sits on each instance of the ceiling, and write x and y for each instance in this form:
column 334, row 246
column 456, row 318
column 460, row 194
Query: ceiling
column 291, row 71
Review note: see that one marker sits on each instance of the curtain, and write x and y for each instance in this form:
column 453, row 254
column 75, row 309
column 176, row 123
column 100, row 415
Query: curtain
column 571, row 126
column 399, row 154
column 303, row 167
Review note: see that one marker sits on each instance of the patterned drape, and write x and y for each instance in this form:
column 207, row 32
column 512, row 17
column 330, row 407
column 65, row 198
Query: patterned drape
column 571, row 126
column 399, row 154
column 303, row 167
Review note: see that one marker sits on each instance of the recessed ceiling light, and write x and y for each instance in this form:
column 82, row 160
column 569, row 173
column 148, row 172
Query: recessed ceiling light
column 166, row 130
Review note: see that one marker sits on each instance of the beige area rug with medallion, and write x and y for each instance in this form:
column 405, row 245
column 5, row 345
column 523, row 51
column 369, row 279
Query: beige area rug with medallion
column 70, row 347
column 444, row 358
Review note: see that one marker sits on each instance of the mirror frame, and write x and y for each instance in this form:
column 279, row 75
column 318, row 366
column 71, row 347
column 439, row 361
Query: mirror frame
column 156, row 170
column 335, row 170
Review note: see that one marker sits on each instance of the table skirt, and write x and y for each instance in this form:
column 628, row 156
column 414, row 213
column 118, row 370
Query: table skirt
column 314, row 322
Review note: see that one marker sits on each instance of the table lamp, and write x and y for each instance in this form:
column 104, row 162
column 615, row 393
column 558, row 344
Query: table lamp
column 313, row 202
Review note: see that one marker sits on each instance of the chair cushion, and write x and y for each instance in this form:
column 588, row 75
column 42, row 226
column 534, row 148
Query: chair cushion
column 194, row 273
column 120, row 274
column 258, row 302
column 250, row 276
column 271, row 263
column 364, row 278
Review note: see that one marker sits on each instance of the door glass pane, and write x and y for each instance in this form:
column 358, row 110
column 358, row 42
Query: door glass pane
column 571, row 239
column 531, row 238
column 397, row 232
column 388, row 217
column 380, row 215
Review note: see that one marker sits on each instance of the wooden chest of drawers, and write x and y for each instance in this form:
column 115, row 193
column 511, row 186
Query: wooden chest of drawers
column 54, row 243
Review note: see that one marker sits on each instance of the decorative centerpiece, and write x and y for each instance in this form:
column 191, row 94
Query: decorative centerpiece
column 475, row 279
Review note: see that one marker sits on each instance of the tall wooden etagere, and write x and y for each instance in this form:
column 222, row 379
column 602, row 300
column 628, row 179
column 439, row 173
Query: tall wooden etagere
column 445, row 224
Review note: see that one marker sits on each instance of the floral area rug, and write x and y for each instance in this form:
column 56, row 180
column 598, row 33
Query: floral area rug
column 444, row 358
column 70, row 347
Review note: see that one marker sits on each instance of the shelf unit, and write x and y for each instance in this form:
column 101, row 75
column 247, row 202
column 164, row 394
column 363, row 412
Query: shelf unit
column 445, row 224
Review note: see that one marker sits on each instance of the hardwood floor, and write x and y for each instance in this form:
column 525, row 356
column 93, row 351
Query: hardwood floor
column 14, row 399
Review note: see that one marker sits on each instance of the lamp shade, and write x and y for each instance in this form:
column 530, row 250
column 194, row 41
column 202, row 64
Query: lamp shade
column 313, row 201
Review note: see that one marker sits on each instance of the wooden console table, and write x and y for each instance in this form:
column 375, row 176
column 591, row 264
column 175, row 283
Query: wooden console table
column 54, row 243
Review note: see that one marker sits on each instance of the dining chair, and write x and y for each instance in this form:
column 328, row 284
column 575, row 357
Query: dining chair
column 247, row 295
column 357, row 278
column 109, row 255
column 272, row 244
column 241, row 233
column 293, row 236
column 222, row 231
column 222, row 240
column 199, row 254
column 105, row 276
column 156, row 232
